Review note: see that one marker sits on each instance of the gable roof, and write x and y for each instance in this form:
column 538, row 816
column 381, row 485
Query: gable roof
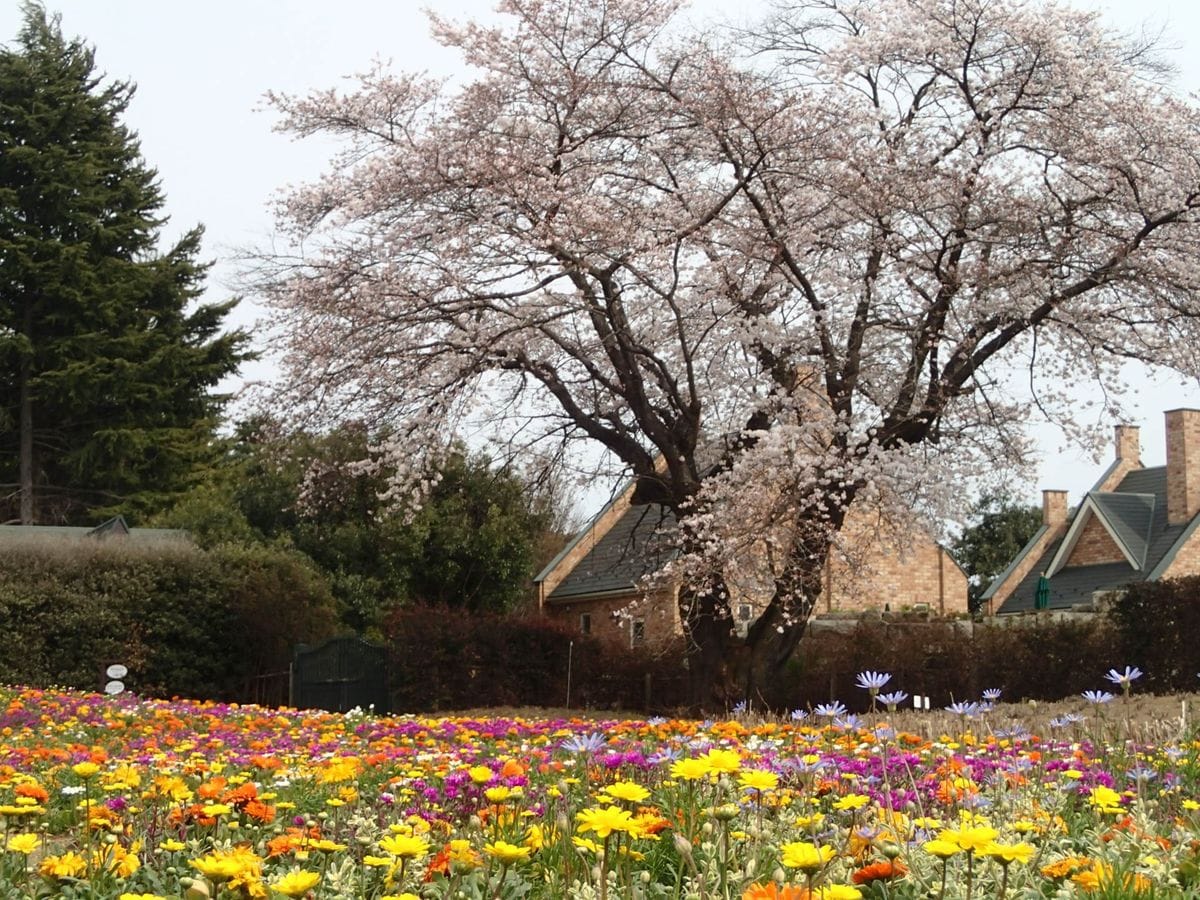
column 116, row 527
column 622, row 556
column 1135, row 514
column 1127, row 519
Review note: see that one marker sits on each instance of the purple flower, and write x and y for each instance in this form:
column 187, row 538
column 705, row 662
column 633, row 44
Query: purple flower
column 894, row 699
column 872, row 681
column 832, row 710
column 1126, row 678
column 1097, row 697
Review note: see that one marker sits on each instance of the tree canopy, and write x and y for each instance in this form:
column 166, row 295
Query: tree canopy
column 474, row 544
column 999, row 528
column 110, row 361
column 770, row 274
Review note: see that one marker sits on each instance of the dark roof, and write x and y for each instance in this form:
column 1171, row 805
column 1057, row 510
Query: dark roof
column 115, row 527
column 1137, row 512
column 622, row 556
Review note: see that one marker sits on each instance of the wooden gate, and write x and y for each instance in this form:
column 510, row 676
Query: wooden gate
column 342, row 674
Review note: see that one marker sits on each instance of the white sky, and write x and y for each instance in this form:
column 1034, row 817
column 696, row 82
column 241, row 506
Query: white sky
column 202, row 69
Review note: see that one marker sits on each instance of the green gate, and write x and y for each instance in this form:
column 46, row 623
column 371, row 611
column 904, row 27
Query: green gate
column 342, row 674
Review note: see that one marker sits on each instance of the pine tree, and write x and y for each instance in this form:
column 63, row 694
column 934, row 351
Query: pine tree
column 108, row 360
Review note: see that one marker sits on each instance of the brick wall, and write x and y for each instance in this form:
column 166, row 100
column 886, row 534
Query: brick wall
column 658, row 613
column 1187, row 560
column 1095, row 546
column 894, row 572
column 1183, row 465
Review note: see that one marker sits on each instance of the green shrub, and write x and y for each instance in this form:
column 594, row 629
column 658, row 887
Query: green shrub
column 185, row 621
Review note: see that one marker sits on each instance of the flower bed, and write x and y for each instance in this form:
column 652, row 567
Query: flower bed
column 118, row 797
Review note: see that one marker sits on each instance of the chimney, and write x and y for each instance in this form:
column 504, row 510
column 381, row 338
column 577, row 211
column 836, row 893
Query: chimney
column 1054, row 508
column 1129, row 447
column 1183, row 465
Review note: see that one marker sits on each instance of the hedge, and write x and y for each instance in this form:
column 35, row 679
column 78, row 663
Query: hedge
column 184, row 621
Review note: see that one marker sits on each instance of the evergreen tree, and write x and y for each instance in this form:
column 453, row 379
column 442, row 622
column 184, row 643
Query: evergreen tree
column 108, row 363
column 1000, row 528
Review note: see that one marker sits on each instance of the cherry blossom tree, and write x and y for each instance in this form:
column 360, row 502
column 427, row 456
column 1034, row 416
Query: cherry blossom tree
column 770, row 273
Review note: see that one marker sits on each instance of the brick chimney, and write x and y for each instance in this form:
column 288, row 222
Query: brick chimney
column 1129, row 446
column 1183, row 465
column 1054, row 508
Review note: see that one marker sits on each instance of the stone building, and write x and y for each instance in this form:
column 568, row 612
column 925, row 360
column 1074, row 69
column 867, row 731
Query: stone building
column 1136, row 524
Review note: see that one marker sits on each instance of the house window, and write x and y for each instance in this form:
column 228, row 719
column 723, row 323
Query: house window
column 744, row 612
column 637, row 636
column 585, row 623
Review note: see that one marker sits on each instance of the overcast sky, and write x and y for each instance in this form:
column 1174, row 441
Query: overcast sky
column 202, row 69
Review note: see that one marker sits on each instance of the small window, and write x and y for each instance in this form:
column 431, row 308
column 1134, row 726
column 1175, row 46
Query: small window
column 744, row 612
column 585, row 623
column 637, row 636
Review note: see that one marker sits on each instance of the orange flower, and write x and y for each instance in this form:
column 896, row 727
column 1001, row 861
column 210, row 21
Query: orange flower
column 879, row 871
column 772, row 891
column 36, row 791
column 211, row 790
column 240, row 795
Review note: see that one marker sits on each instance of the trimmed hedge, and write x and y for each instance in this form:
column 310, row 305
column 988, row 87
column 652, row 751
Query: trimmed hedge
column 447, row 659
column 186, row 622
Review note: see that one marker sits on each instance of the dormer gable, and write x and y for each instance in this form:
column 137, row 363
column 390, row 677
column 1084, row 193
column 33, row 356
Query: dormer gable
column 1107, row 528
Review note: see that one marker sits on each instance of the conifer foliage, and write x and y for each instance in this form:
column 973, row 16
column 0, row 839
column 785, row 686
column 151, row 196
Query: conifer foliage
column 108, row 363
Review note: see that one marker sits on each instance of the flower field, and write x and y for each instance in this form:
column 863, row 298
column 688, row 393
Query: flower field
column 123, row 798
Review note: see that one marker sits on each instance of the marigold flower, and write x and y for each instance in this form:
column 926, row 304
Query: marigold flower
column 627, row 790
column 879, row 871
column 969, row 839
column 690, row 769
column 758, row 780
column 1009, row 853
column 23, row 843
column 942, row 849
column 404, row 846
column 772, row 891
column 85, row 770
column 507, row 853
column 604, row 820
column 295, row 883
column 66, row 865
column 805, row 856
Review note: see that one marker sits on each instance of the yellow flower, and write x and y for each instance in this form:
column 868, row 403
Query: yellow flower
column 627, row 790
column 405, row 896
column 23, row 843
column 1105, row 799
column 217, row 866
column 507, row 853
column 804, row 856
column 758, row 780
column 141, row 897
column 480, row 774
column 586, row 844
column 721, row 762
column 85, row 770
column 217, row 809
column 295, row 883
column 942, row 849
column 852, row 801
column 838, row 892
column 497, row 794
column 68, row 865
column 404, row 846
column 969, row 839
column 690, row 769
column 604, row 820
column 170, row 845
column 1009, row 853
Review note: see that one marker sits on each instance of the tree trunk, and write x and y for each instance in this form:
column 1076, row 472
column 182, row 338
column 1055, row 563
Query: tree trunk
column 25, row 440
column 774, row 636
column 708, row 630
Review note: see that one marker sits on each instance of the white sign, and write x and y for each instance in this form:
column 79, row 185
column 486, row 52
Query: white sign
column 116, row 671
column 114, row 687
